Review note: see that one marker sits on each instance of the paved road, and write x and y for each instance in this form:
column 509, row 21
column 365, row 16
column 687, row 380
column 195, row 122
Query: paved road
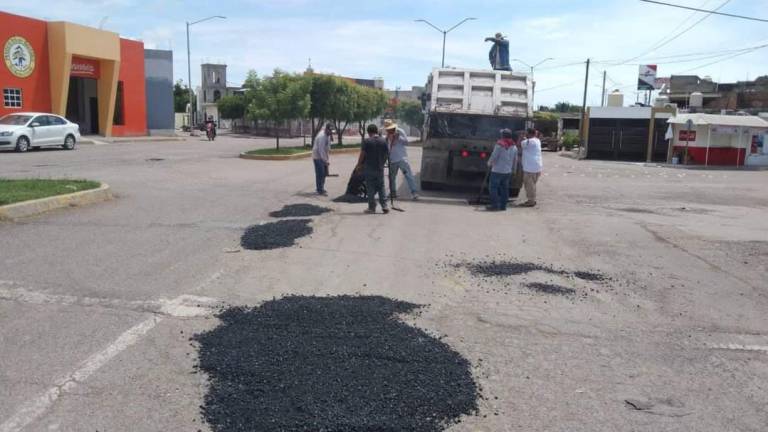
column 97, row 303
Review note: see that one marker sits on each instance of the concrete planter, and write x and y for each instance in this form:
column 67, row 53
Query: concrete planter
column 302, row 155
column 34, row 207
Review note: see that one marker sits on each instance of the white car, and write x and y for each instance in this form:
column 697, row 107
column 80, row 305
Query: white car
column 26, row 130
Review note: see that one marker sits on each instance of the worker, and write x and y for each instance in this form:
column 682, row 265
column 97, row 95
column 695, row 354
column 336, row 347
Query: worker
column 532, row 166
column 503, row 164
column 321, row 148
column 373, row 156
column 398, row 159
column 499, row 53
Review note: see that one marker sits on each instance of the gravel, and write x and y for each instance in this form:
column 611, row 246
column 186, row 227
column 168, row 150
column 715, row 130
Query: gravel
column 299, row 210
column 347, row 198
column 330, row 364
column 548, row 288
column 275, row 235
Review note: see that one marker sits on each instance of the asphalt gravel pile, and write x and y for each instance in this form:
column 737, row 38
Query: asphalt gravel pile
column 299, row 210
column 275, row 235
column 549, row 288
column 330, row 364
column 348, row 198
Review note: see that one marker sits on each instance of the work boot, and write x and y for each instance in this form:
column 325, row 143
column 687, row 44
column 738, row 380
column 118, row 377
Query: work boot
column 415, row 197
column 385, row 210
column 370, row 211
column 528, row 204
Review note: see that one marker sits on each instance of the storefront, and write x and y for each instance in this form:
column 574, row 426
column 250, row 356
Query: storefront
column 709, row 139
column 93, row 77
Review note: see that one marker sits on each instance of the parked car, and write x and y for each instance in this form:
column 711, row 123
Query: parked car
column 26, row 130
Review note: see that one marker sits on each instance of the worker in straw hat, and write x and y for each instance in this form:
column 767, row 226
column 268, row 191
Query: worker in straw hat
column 398, row 159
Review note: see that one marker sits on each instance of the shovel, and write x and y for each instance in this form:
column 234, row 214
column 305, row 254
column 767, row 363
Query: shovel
column 391, row 192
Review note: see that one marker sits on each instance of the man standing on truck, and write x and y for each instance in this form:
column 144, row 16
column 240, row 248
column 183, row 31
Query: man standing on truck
column 503, row 164
column 499, row 54
column 320, row 150
column 373, row 156
column 398, row 159
column 532, row 165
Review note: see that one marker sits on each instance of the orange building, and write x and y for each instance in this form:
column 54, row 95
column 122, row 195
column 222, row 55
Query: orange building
column 92, row 77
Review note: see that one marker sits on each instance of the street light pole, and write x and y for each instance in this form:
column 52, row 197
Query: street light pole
column 533, row 82
column 189, row 70
column 444, row 32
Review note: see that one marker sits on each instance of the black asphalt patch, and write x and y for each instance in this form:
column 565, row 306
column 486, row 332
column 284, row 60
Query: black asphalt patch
column 354, row 199
column 589, row 276
column 330, row 364
column 549, row 288
column 275, row 235
column 299, row 210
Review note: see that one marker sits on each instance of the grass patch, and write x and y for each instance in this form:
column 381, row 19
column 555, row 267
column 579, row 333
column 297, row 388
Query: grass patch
column 345, row 146
column 13, row 191
column 284, row 151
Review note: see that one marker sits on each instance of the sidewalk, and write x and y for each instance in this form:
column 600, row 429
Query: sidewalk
column 101, row 140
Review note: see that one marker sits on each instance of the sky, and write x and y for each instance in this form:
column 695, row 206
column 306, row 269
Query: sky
column 366, row 39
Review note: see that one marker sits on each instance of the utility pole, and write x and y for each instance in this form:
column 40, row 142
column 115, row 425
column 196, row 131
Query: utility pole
column 602, row 101
column 189, row 71
column 584, row 111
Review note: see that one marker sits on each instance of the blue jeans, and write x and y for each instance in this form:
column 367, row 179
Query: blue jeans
column 498, row 187
column 375, row 185
column 321, row 172
column 404, row 166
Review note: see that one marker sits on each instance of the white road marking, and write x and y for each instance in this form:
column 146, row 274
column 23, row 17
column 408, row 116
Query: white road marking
column 740, row 347
column 183, row 306
column 35, row 408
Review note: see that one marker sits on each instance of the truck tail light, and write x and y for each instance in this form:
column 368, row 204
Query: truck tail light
column 464, row 153
column 483, row 155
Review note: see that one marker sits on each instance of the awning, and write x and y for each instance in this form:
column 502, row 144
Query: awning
column 700, row 119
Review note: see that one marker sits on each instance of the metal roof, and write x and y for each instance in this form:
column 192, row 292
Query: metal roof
column 720, row 120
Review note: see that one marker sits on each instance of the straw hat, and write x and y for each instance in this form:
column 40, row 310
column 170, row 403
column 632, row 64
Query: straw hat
column 389, row 124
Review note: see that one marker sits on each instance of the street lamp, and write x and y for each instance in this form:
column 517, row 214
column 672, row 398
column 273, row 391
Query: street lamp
column 189, row 69
column 444, row 32
column 533, row 83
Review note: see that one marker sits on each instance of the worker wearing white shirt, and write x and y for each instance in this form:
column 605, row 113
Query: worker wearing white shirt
column 532, row 164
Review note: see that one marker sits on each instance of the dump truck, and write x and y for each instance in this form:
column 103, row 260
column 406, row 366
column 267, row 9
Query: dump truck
column 466, row 109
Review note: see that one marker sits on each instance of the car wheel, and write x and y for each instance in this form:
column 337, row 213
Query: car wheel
column 22, row 144
column 69, row 142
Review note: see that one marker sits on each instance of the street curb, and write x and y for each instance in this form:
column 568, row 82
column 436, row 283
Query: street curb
column 301, row 155
column 24, row 209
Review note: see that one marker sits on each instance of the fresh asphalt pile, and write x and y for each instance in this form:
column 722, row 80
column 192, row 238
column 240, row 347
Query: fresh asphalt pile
column 330, row 364
column 352, row 199
column 299, row 210
column 275, row 235
column 550, row 288
column 501, row 275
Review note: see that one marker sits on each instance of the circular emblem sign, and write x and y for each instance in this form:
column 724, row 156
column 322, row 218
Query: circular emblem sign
column 19, row 56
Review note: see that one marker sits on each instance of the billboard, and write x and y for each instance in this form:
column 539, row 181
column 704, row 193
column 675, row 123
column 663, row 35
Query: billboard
column 646, row 79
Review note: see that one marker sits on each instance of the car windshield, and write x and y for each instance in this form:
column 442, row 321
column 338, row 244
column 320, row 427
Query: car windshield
column 467, row 126
column 15, row 120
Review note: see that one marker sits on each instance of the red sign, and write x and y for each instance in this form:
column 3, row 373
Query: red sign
column 686, row 135
column 84, row 68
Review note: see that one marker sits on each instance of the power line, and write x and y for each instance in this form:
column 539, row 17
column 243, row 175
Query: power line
column 666, row 40
column 707, row 11
column 724, row 59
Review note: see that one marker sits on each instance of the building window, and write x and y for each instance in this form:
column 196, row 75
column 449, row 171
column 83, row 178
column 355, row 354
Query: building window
column 119, row 118
column 216, row 95
column 12, row 98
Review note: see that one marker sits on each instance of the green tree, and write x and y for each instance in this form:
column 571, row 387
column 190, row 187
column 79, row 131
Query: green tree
column 324, row 89
column 341, row 106
column 232, row 107
column 181, row 97
column 564, row 107
column 370, row 103
column 278, row 98
column 410, row 112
